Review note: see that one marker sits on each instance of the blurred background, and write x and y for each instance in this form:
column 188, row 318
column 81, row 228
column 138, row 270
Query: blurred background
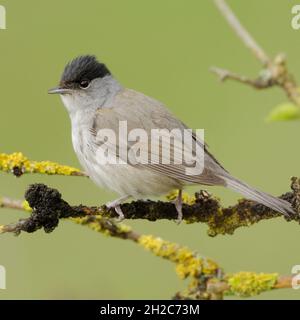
column 164, row 49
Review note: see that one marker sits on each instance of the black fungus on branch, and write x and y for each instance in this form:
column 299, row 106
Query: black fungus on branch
column 48, row 207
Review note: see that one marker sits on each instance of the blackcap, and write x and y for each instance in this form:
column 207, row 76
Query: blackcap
column 95, row 100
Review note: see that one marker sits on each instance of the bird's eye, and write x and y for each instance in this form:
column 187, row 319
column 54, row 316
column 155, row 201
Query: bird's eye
column 84, row 84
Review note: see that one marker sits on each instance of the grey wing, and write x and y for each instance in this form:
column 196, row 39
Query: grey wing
column 140, row 111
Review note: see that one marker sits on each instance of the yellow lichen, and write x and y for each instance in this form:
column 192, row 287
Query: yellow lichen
column 91, row 224
column 103, row 225
column 124, row 228
column 187, row 262
column 26, row 206
column 9, row 163
column 246, row 284
column 186, row 198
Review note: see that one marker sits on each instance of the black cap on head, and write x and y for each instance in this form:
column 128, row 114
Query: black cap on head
column 83, row 68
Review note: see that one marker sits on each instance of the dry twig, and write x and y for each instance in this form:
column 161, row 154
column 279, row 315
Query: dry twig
column 274, row 72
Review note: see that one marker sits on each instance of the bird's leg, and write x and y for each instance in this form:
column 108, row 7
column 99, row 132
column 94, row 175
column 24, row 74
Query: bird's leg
column 116, row 204
column 178, row 206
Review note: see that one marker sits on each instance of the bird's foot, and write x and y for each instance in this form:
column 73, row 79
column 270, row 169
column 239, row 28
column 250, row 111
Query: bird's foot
column 120, row 213
column 178, row 206
column 116, row 205
column 117, row 209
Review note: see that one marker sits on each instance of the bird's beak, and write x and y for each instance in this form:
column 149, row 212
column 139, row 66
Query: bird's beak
column 59, row 90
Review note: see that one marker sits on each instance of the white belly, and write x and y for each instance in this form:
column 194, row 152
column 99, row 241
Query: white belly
column 128, row 180
column 123, row 179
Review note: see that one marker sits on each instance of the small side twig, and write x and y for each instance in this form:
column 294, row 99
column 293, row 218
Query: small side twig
column 274, row 72
column 6, row 202
column 259, row 83
column 242, row 33
column 242, row 281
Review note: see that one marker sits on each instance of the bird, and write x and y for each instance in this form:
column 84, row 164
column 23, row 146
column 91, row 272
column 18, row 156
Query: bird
column 96, row 100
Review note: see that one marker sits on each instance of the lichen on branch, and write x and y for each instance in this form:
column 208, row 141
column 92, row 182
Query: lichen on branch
column 207, row 279
column 274, row 72
column 248, row 284
column 18, row 164
column 49, row 208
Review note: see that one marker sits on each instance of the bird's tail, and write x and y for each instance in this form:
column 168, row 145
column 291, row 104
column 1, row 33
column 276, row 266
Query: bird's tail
column 268, row 200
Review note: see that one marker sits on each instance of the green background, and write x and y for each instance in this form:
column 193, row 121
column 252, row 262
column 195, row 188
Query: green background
column 164, row 49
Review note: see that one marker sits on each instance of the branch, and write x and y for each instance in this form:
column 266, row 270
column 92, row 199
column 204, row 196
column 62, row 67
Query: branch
column 18, row 164
column 50, row 207
column 9, row 203
column 207, row 279
column 247, row 284
column 203, row 207
column 262, row 82
column 274, row 72
column 242, row 33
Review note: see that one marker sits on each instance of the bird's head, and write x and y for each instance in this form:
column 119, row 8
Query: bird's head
column 82, row 82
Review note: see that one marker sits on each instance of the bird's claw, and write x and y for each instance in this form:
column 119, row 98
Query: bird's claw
column 118, row 211
column 178, row 205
